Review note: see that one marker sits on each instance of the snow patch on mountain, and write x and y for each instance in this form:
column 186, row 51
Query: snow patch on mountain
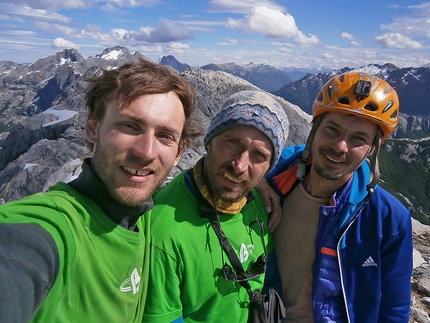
column 112, row 55
column 60, row 114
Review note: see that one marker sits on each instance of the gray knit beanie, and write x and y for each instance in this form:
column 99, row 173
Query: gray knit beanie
column 256, row 109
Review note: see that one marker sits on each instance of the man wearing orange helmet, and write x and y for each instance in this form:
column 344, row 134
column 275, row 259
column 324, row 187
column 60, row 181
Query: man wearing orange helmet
column 343, row 249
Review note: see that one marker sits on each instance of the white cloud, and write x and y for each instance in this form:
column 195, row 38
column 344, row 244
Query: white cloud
column 63, row 43
column 134, row 3
column 396, row 40
column 414, row 23
column 26, row 13
column 228, row 42
column 158, row 49
column 93, row 28
column 351, row 38
column 177, row 48
column 347, row 36
column 54, row 4
column 306, row 41
column 119, row 34
column 20, row 33
column 202, row 25
column 82, row 4
column 242, row 6
column 57, row 27
column 369, row 53
column 285, row 50
column 269, row 22
column 167, row 31
column 355, row 43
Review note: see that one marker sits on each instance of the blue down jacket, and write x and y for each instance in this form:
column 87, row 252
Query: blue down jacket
column 371, row 259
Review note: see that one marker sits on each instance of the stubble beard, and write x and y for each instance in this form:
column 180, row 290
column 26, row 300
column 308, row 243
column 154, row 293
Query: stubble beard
column 129, row 193
column 227, row 194
column 219, row 190
column 325, row 171
column 327, row 174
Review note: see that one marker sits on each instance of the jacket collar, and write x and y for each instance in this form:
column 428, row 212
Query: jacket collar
column 283, row 176
column 90, row 185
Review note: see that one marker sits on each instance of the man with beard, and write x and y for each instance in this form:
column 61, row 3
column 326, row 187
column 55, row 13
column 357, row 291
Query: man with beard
column 343, row 247
column 80, row 252
column 192, row 278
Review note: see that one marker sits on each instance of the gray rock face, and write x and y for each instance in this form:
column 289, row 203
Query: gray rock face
column 421, row 274
column 49, row 148
column 410, row 123
column 31, row 171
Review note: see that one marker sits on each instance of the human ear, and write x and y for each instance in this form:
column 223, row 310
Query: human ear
column 92, row 129
column 181, row 149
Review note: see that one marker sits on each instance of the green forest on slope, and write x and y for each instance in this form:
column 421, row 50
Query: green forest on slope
column 404, row 168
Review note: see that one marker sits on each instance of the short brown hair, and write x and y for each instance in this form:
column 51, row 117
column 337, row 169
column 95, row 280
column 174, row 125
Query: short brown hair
column 132, row 80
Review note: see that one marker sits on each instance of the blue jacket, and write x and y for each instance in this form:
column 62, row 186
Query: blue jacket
column 370, row 263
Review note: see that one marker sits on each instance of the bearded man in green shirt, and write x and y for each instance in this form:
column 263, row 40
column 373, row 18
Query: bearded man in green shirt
column 191, row 276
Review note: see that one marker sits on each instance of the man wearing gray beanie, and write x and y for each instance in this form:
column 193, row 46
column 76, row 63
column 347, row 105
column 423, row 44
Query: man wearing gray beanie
column 209, row 226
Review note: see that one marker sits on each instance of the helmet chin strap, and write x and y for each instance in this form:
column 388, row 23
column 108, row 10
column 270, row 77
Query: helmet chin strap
column 301, row 170
column 374, row 165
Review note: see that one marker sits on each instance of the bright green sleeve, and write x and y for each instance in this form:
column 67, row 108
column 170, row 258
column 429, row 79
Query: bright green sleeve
column 163, row 303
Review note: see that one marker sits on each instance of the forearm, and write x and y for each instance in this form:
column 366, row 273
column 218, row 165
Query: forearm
column 29, row 264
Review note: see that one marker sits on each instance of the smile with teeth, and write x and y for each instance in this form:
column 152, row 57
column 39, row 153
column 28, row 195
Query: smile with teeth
column 135, row 171
column 334, row 160
column 237, row 181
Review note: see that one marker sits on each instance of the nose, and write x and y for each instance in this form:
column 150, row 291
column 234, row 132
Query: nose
column 241, row 162
column 145, row 146
column 341, row 145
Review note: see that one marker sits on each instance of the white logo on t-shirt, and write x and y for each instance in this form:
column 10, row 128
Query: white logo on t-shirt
column 132, row 283
column 245, row 251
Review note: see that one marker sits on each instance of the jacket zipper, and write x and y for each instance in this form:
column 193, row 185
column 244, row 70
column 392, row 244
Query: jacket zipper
column 353, row 218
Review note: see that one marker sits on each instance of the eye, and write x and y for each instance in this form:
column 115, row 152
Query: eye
column 167, row 138
column 232, row 142
column 234, row 145
column 128, row 127
column 260, row 157
column 331, row 129
column 360, row 140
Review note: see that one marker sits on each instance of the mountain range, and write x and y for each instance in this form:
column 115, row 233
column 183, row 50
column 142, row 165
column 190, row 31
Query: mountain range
column 42, row 116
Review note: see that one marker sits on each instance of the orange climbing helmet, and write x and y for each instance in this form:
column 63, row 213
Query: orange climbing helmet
column 359, row 93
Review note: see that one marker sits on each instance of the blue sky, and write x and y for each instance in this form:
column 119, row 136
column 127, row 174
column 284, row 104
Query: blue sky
column 290, row 33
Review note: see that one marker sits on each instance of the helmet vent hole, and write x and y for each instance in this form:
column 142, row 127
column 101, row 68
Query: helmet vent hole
column 341, row 78
column 320, row 97
column 330, row 91
column 371, row 107
column 394, row 115
column 388, row 106
column 343, row 100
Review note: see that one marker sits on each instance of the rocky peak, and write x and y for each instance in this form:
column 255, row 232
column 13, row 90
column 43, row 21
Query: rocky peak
column 263, row 76
column 114, row 53
column 171, row 61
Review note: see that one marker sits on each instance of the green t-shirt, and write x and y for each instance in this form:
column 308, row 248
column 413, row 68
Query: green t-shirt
column 186, row 259
column 103, row 267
